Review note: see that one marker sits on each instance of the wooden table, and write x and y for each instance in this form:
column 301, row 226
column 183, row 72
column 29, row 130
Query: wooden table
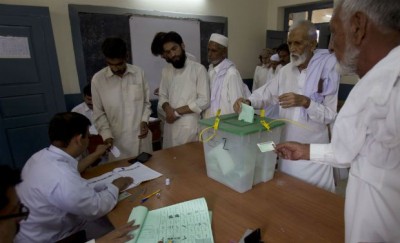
column 286, row 209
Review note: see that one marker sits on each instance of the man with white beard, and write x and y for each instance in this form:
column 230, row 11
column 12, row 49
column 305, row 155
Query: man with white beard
column 366, row 135
column 306, row 91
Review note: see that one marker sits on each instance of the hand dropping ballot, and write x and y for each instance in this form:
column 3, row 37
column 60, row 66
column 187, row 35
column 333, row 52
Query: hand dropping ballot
column 247, row 113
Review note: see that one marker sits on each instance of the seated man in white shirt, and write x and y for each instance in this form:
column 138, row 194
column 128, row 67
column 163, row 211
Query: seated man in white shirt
column 12, row 212
column 86, row 107
column 60, row 200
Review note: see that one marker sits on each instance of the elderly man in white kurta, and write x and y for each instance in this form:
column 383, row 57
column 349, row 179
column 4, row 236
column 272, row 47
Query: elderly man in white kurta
column 184, row 93
column 225, row 80
column 121, row 106
column 366, row 134
column 306, row 90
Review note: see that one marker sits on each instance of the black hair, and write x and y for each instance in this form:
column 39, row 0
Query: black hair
column 114, row 47
column 8, row 178
column 171, row 36
column 283, row 47
column 156, row 47
column 64, row 126
column 87, row 90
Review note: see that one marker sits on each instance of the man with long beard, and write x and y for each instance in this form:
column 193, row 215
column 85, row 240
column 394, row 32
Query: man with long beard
column 306, row 91
column 366, row 135
column 184, row 92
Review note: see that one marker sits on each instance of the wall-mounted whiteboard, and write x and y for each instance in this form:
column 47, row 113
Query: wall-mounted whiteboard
column 143, row 29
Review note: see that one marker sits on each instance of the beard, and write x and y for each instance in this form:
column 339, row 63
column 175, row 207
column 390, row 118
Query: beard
column 348, row 66
column 215, row 62
column 297, row 59
column 179, row 62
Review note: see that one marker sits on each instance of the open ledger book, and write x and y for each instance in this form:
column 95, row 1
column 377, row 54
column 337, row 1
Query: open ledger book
column 186, row 222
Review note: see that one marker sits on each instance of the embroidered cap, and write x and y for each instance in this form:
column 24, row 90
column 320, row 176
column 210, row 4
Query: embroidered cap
column 220, row 39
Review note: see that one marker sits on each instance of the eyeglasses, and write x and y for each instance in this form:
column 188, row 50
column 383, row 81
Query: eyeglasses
column 22, row 213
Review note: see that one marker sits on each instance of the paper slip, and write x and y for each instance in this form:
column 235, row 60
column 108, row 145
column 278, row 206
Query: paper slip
column 115, row 151
column 123, row 195
column 137, row 171
column 266, row 146
column 247, row 113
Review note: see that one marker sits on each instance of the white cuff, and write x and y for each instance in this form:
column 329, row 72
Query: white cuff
column 177, row 114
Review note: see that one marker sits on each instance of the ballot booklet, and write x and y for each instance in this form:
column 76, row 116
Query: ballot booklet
column 186, row 222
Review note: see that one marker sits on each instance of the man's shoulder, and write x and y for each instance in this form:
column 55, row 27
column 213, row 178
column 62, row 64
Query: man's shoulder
column 196, row 65
column 100, row 74
column 79, row 108
column 133, row 68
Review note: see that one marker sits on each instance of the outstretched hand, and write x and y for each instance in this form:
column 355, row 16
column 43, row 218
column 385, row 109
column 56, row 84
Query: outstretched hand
column 293, row 151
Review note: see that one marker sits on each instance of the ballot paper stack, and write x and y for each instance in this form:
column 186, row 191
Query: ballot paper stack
column 232, row 155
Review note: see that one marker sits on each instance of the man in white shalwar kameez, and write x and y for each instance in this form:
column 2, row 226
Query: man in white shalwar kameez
column 184, row 93
column 225, row 80
column 306, row 90
column 121, row 106
column 366, row 134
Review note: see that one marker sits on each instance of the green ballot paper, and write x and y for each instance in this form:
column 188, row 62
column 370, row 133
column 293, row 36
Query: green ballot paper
column 247, row 113
column 183, row 222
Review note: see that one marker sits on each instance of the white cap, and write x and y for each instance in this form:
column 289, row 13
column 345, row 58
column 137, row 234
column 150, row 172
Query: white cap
column 220, row 39
column 167, row 181
column 275, row 58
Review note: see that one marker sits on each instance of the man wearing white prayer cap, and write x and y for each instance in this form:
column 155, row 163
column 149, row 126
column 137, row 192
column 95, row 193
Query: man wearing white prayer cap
column 225, row 81
column 306, row 92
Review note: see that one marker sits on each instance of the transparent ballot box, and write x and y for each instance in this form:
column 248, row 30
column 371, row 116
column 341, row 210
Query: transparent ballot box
column 232, row 155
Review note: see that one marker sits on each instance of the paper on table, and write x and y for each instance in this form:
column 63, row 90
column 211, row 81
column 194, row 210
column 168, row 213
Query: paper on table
column 137, row 171
column 247, row 113
column 183, row 222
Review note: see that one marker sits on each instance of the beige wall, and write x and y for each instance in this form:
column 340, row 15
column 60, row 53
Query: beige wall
column 247, row 23
column 246, row 27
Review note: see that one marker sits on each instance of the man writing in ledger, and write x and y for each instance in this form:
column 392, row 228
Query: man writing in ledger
column 306, row 91
column 366, row 134
column 12, row 211
column 60, row 200
column 184, row 92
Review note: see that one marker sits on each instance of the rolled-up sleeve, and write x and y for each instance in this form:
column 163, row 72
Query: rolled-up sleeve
column 263, row 96
column 324, row 113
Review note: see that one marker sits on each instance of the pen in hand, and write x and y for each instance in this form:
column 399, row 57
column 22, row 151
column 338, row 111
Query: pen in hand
column 149, row 196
